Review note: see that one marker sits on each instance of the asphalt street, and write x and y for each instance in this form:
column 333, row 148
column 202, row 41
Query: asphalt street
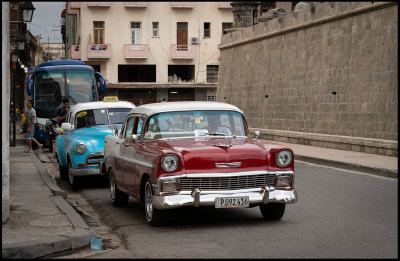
column 339, row 214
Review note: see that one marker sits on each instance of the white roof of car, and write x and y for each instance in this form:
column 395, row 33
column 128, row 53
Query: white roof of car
column 152, row 108
column 100, row 104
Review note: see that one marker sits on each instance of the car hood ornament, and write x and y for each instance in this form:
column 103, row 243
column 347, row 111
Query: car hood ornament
column 222, row 145
column 228, row 165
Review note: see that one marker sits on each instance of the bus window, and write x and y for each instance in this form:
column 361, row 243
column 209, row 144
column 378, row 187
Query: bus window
column 82, row 86
column 49, row 90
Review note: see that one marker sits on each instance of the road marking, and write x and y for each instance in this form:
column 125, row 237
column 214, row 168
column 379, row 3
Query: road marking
column 346, row 170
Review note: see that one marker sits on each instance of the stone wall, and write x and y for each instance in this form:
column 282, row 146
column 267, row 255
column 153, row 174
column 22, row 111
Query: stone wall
column 332, row 72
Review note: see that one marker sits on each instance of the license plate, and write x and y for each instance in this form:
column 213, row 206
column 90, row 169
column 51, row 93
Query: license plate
column 234, row 202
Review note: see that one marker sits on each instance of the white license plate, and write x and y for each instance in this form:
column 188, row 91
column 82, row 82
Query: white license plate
column 234, row 202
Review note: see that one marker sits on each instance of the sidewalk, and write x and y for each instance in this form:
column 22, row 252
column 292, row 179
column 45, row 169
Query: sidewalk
column 42, row 223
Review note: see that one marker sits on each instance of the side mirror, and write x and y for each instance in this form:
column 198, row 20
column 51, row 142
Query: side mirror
column 133, row 137
column 66, row 126
column 258, row 133
column 29, row 86
column 116, row 132
column 102, row 82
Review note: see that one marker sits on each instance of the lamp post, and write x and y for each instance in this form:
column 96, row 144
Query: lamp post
column 26, row 10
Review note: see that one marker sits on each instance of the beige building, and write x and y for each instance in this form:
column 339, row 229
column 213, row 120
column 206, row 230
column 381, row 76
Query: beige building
column 150, row 50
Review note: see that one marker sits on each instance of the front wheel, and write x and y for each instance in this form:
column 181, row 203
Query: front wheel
column 118, row 198
column 153, row 216
column 273, row 211
column 73, row 181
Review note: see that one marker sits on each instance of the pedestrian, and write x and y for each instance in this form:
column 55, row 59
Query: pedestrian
column 31, row 120
column 140, row 103
column 163, row 100
column 62, row 111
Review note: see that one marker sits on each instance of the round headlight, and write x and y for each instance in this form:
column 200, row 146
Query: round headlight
column 80, row 148
column 169, row 162
column 284, row 158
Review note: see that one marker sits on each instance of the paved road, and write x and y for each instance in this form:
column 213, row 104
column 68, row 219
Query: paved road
column 339, row 215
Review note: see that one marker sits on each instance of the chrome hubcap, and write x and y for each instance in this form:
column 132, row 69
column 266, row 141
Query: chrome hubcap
column 148, row 202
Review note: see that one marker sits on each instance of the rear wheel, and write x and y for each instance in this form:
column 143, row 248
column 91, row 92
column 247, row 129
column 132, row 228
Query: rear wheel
column 273, row 211
column 153, row 216
column 118, row 198
column 73, row 180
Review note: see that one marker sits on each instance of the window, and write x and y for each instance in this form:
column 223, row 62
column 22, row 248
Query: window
column 212, row 98
column 98, row 32
column 135, row 32
column 207, row 30
column 129, row 127
column 226, row 26
column 155, row 29
column 212, row 73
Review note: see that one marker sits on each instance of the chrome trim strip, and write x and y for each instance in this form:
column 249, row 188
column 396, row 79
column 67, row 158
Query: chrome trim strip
column 223, row 174
column 136, row 161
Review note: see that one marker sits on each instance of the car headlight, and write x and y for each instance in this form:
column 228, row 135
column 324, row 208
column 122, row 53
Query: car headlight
column 284, row 158
column 80, row 148
column 169, row 162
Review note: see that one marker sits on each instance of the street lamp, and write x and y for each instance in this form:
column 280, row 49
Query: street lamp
column 20, row 41
column 27, row 11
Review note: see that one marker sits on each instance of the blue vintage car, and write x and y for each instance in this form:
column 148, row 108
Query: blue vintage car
column 80, row 149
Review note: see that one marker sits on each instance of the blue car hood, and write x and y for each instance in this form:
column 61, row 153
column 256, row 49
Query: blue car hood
column 95, row 135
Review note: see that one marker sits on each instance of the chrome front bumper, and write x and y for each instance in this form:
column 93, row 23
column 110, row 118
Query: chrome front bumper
column 198, row 198
column 85, row 171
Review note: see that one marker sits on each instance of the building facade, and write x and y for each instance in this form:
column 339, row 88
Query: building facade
column 325, row 75
column 150, row 51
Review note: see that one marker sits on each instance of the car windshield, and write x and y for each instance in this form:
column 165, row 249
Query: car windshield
column 105, row 116
column 195, row 123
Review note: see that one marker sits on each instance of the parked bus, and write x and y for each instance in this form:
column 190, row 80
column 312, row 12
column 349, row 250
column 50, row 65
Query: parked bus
column 49, row 82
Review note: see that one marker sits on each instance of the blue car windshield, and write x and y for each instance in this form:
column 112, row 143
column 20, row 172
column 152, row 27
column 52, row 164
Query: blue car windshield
column 105, row 116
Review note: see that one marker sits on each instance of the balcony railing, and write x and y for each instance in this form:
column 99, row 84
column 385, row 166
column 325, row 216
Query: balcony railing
column 101, row 51
column 75, row 4
column 183, row 4
column 136, row 4
column 138, row 51
column 183, row 51
column 224, row 5
column 107, row 4
column 74, row 52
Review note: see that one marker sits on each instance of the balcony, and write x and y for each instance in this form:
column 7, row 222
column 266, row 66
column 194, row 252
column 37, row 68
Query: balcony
column 106, row 4
column 74, row 52
column 137, row 4
column 224, row 5
column 186, row 52
column 183, row 4
column 75, row 5
column 99, row 51
column 138, row 51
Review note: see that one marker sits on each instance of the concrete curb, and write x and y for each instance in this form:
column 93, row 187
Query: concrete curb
column 42, row 247
column 349, row 166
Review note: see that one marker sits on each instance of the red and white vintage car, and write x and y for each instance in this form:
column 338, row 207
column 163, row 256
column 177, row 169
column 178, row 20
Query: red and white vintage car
column 179, row 154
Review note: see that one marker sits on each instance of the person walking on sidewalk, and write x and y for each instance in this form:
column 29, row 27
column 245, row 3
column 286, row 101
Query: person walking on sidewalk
column 31, row 119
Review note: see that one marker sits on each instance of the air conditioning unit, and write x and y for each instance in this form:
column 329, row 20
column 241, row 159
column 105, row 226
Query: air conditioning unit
column 195, row 40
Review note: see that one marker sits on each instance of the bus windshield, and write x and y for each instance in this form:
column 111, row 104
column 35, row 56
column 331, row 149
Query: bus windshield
column 82, row 86
column 51, row 86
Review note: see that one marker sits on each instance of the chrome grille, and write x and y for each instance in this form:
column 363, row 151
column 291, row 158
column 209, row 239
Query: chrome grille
column 227, row 183
column 95, row 158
